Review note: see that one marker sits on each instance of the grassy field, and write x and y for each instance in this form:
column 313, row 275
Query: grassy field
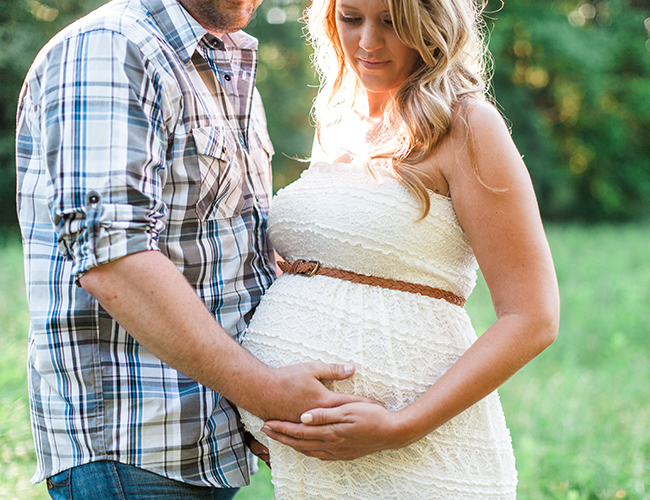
column 579, row 414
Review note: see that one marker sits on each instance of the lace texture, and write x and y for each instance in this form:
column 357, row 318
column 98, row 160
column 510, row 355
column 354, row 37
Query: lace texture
column 400, row 342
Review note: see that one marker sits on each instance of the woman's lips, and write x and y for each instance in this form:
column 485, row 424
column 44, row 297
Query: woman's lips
column 373, row 63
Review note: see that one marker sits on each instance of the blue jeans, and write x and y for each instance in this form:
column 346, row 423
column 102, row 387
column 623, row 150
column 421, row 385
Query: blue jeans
column 113, row 480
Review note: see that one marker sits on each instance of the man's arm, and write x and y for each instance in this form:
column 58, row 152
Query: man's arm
column 149, row 297
column 108, row 169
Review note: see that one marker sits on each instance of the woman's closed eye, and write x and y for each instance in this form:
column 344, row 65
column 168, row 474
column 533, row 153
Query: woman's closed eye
column 349, row 18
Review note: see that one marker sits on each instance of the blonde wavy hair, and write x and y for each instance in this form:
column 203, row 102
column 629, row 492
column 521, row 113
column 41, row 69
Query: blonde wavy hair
column 448, row 34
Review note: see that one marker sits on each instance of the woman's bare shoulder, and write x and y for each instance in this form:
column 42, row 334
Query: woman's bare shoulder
column 478, row 138
column 479, row 115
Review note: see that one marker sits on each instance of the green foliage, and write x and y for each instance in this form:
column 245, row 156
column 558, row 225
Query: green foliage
column 25, row 26
column 287, row 83
column 573, row 77
column 579, row 414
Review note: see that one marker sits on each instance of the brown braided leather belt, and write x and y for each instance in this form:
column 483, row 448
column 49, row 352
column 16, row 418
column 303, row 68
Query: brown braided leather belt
column 313, row 267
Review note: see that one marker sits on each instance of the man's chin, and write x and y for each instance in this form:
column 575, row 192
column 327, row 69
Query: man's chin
column 235, row 23
column 226, row 20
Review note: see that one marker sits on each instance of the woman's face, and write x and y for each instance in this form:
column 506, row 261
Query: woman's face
column 371, row 46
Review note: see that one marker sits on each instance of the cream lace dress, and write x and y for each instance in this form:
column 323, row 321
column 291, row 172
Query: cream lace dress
column 401, row 343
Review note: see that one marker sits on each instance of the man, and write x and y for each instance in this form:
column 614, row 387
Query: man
column 143, row 191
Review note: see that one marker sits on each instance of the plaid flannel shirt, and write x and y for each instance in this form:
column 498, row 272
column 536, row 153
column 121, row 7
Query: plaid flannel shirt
column 138, row 130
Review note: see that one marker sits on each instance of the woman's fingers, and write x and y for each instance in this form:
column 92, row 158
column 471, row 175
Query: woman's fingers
column 341, row 433
column 321, row 416
column 257, row 448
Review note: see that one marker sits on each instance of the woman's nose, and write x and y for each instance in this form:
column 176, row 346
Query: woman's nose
column 371, row 38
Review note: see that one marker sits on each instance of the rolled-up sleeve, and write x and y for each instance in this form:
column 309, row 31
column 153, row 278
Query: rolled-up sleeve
column 104, row 139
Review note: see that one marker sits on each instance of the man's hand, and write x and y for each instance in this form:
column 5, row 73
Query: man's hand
column 346, row 432
column 149, row 297
column 295, row 389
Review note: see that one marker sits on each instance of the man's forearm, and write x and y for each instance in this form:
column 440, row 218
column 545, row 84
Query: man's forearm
column 151, row 299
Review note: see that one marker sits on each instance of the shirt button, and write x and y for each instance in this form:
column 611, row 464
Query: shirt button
column 93, row 199
column 227, row 77
column 257, row 198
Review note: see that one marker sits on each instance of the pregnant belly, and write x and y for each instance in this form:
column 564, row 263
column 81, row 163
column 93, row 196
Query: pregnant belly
column 400, row 343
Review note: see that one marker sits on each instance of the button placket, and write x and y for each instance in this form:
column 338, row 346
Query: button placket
column 93, row 216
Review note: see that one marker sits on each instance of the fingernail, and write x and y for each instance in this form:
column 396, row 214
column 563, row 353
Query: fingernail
column 266, row 429
column 306, row 418
column 348, row 369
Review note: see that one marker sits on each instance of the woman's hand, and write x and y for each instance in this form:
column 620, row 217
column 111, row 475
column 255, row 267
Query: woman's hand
column 346, row 432
column 292, row 390
column 257, row 448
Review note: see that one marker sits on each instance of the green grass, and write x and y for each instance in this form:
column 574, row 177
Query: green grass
column 17, row 459
column 579, row 414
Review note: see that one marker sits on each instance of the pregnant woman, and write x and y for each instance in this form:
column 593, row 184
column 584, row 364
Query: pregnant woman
column 414, row 184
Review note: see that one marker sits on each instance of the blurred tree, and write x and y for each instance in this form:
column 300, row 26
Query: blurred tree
column 573, row 77
column 25, row 26
column 287, row 82
column 285, row 78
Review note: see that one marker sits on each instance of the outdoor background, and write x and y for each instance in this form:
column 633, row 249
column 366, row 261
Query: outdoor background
column 573, row 79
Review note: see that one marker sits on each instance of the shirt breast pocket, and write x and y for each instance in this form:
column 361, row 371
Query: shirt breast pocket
column 221, row 194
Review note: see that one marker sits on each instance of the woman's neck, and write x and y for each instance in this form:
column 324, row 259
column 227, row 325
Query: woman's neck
column 377, row 102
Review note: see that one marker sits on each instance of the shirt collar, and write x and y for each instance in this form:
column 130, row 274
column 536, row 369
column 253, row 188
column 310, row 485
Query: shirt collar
column 183, row 32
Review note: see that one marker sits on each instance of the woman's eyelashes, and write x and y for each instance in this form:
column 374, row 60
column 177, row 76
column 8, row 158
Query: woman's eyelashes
column 349, row 18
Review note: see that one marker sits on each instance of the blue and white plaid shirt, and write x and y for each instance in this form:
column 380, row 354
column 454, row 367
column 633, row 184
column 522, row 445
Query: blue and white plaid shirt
column 138, row 130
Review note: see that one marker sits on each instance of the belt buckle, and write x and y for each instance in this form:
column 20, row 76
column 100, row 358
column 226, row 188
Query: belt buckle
column 307, row 272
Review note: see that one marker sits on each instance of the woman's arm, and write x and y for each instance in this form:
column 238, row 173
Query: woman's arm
column 506, row 233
